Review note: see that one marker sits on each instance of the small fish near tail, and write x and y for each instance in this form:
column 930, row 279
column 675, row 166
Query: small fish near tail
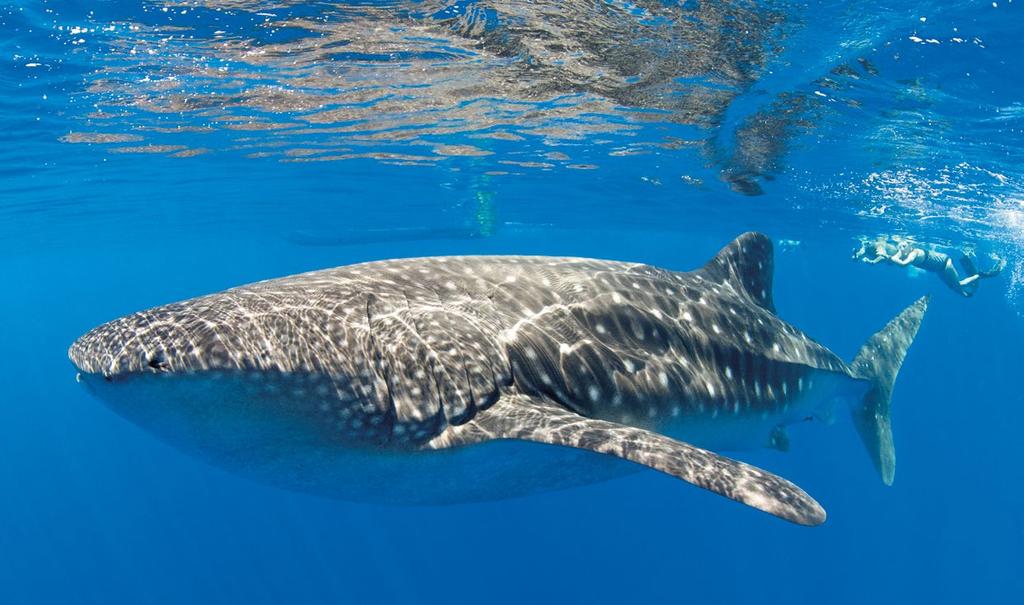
column 878, row 362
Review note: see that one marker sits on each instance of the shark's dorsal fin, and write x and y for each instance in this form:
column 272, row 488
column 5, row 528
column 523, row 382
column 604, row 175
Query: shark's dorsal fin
column 517, row 416
column 747, row 264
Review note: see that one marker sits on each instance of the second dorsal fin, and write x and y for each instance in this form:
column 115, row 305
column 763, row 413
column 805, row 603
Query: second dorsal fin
column 747, row 264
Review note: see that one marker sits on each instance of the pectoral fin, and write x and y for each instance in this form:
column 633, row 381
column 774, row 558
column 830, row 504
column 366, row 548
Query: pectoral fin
column 541, row 421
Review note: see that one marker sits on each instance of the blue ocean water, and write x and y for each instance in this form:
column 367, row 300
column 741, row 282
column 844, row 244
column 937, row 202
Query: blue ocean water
column 157, row 150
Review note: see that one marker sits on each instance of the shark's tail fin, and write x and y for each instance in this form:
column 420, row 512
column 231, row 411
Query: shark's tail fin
column 879, row 361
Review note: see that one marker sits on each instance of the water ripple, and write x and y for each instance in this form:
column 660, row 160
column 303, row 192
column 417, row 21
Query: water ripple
column 422, row 82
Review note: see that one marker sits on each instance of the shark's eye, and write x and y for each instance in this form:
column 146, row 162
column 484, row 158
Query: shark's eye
column 158, row 361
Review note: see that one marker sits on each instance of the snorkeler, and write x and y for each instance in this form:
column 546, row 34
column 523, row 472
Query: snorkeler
column 940, row 263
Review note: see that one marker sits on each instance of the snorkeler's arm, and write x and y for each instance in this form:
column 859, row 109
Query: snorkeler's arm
column 903, row 262
column 876, row 260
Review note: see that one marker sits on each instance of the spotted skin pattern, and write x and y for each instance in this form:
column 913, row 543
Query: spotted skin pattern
column 433, row 353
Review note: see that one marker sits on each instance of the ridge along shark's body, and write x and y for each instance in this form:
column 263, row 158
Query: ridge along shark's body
column 421, row 380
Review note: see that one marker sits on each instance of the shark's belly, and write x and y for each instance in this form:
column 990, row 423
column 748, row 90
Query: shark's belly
column 278, row 436
column 486, row 471
column 221, row 422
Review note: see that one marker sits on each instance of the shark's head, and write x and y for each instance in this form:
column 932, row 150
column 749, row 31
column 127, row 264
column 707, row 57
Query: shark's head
column 141, row 345
column 161, row 346
column 204, row 383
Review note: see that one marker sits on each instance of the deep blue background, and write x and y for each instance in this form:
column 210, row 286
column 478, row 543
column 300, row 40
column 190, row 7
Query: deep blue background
column 94, row 510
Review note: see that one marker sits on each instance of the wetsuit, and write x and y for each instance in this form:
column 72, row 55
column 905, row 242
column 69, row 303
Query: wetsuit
column 932, row 261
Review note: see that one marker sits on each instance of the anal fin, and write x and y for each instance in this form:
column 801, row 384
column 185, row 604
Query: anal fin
column 537, row 420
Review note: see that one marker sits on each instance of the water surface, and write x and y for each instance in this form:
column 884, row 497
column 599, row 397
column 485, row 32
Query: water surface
column 159, row 150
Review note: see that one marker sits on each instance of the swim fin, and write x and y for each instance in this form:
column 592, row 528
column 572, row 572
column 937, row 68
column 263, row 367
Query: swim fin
column 997, row 267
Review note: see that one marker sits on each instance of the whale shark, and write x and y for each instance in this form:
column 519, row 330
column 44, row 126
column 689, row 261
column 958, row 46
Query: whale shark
column 454, row 379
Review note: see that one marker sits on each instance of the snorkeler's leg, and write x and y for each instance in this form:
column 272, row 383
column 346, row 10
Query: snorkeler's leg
column 951, row 274
column 951, row 278
column 968, row 262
